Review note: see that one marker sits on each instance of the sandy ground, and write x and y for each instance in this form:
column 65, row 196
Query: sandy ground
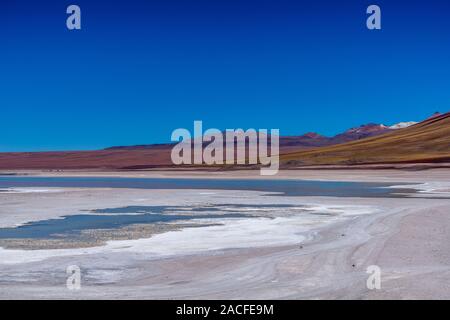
column 407, row 238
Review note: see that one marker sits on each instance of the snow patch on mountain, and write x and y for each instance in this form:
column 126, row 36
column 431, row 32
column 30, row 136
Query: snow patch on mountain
column 402, row 125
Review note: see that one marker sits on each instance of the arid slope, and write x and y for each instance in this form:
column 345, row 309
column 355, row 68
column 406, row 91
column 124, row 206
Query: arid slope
column 428, row 141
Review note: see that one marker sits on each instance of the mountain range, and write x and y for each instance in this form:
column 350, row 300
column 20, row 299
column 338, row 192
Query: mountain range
column 427, row 141
column 424, row 142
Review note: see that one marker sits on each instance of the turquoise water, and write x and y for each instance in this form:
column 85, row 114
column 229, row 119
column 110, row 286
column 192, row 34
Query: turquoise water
column 69, row 226
column 114, row 218
column 286, row 187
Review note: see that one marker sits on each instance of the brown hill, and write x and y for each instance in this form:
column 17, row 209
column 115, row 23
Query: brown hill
column 313, row 140
column 143, row 156
column 115, row 158
column 427, row 141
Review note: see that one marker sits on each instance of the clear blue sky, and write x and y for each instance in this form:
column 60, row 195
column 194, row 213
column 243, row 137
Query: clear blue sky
column 139, row 69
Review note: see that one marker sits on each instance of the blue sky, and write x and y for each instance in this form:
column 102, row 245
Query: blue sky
column 140, row 69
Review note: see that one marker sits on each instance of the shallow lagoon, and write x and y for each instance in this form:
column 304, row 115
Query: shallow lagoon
column 286, row 187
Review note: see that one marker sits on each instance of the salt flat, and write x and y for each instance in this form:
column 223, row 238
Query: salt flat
column 291, row 253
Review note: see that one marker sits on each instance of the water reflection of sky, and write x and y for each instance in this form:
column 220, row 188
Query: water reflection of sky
column 286, row 187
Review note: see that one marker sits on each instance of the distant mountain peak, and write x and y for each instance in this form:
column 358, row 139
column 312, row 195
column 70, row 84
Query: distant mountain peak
column 366, row 128
column 435, row 115
column 312, row 135
column 426, row 143
column 402, row 125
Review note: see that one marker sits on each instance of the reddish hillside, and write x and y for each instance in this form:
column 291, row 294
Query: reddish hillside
column 428, row 141
column 115, row 158
column 158, row 155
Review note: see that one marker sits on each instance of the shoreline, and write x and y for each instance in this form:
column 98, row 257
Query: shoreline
column 321, row 269
column 408, row 238
column 271, row 212
column 356, row 175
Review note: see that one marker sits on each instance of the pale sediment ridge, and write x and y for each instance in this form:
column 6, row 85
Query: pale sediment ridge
column 92, row 237
column 28, row 190
column 279, row 257
column 356, row 175
column 434, row 189
column 261, row 225
column 408, row 240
